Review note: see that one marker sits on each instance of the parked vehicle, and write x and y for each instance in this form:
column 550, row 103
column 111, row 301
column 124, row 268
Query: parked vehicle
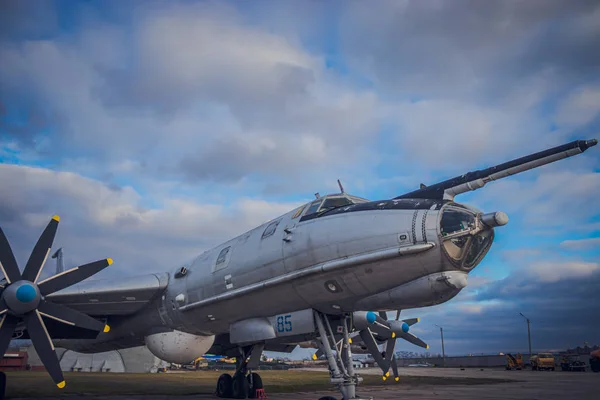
column 514, row 362
column 595, row 361
column 543, row 361
column 572, row 363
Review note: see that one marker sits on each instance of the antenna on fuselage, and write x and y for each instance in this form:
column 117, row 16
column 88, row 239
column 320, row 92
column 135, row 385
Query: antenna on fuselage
column 317, row 195
column 340, row 185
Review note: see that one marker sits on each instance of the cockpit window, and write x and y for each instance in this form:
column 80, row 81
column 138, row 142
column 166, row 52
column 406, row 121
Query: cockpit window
column 334, row 202
column 313, row 207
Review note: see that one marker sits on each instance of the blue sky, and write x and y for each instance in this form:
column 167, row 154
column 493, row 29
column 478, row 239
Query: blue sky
column 159, row 129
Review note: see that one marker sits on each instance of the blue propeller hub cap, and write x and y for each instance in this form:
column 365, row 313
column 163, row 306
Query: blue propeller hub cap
column 26, row 293
column 405, row 327
column 371, row 317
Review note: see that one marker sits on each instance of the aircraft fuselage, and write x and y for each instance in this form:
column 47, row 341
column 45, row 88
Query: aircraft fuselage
column 382, row 255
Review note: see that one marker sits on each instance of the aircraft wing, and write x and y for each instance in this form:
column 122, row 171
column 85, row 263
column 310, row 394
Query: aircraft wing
column 123, row 296
column 477, row 179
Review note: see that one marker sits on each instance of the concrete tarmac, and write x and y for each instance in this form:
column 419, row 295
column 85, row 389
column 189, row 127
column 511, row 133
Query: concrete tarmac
column 530, row 385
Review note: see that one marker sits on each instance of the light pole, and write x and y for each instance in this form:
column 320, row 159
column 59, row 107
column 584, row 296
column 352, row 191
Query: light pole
column 443, row 351
column 528, row 334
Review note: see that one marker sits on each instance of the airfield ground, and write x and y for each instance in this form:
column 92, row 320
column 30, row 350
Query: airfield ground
column 419, row 383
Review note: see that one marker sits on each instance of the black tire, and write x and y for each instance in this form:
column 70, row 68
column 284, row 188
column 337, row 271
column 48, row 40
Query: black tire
column 240, row 387
column 256, row 384
column 2, row 385
column 225, row 386
column 327, row 398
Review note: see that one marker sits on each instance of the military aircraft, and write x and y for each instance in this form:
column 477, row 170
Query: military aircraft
column 315, row 273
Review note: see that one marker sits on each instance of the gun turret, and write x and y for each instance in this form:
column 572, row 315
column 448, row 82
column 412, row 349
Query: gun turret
column 477, row 179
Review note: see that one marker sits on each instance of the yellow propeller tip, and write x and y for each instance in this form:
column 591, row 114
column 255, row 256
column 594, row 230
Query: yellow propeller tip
column 393, row 335
column 56, row 218
column 427, row 347
column 314, row 356
column 418, row 319
column 387, row 373
column 397, row 378
column 384, row 377
column 106, row 328
column 61, row 384
column 109, row 261
column 350, row 340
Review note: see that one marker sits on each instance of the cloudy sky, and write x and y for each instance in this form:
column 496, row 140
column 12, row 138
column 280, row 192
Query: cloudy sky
column 160, row 129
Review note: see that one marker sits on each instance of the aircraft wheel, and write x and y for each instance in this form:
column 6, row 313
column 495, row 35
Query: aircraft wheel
column 240, row 387
column 2, row 385
column 224, row 386
column 256, row 384
column 328, row 398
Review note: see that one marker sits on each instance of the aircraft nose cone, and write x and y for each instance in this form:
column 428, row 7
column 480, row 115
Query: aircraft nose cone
column 405, row 327
column 26, row 293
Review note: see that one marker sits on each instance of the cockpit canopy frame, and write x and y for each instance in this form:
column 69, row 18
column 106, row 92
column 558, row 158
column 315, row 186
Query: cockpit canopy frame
column 330, row 202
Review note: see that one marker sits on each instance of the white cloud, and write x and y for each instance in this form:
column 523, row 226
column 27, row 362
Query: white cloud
column 470, row 308
column 556, row 197
column 454, row 135
column 188, row 79
column 580, row 107
column 99, row 222
column 552, row 271
column 581, row 244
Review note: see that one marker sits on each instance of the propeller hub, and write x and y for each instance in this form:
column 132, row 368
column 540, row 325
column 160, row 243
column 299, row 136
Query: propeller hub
column 405, row 327
column 26, row 293
column 21, row 297
column 371, row 317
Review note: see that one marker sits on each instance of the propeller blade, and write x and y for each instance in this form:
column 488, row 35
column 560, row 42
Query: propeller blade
column 71, row 317
column 8, row 264
column 383, row 315
column 43, row 346
column 409, row 337
column 395, row 368
column 398, row 315
column 3, row 306
column 317, row 354
column 40, row 252
column 389, row 350
column 381, row 330
column 72, row 276
column 369, row 341
column 8, row 323
column 411, row 321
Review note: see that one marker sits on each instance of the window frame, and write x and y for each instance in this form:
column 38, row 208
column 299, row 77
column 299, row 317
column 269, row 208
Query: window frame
column 225, row 262
column 266, row 232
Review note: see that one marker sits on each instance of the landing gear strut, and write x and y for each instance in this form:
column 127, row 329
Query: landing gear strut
column 340, row 367
column 244, row 383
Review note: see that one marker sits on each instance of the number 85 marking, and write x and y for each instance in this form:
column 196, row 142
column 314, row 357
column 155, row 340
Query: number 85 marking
column 284, row 324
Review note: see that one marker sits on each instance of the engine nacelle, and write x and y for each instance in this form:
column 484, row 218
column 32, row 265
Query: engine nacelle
column 178, row 347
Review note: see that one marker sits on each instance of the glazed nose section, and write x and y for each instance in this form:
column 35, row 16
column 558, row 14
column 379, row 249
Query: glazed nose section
column 467, row 236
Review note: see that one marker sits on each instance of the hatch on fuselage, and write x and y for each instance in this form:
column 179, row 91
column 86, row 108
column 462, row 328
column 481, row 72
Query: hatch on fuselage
column 329, row 202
